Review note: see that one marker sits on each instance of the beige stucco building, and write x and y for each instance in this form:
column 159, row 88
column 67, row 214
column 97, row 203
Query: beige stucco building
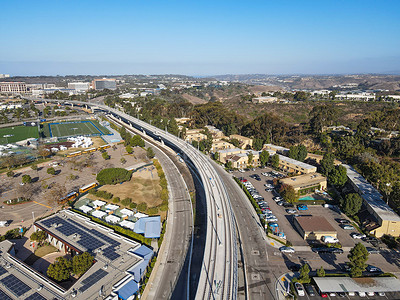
column 194, row 135
column 306, row 183
column 221, row 145
column 314, row 227
column 244, row 141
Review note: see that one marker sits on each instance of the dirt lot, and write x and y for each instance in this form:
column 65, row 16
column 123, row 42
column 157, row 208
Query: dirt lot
column 143, row 187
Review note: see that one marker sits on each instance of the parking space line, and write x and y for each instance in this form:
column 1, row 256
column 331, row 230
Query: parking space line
column 42, row 204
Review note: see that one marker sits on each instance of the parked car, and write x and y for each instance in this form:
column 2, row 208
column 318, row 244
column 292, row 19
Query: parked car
column 373, row 269
column 269, row 190
column 285, row 249
column 372, row 250
column 370, row 294
column 336, row 250
column 280, row 203
column 362, row 294
column 272, row 219
column 299, row 289
column 342, row 221
column 302, row 207
column 356, row 235
column 309, row 289
column 321, row 250
column 329, row 239
column 352, row 294
column 332, row 294
column 347, row 227
column 323, row 295
column 382, row 294
column 341, row 294
column 291, row 211
column 287, row 204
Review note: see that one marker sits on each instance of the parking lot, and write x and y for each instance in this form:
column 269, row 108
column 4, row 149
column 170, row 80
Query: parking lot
column 388, row 260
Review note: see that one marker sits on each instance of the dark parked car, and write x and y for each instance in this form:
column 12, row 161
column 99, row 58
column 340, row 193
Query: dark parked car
column 372, row 250
column 321, row 250
column 336, row 250
column 342, row 221
column 287, row 204
column 310, row 289
column 341, row 294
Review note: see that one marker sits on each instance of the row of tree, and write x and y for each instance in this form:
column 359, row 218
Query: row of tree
column 62, row 268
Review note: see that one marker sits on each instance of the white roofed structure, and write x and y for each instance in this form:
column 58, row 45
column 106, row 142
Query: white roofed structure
column 99, row 214
column 126, row 212
column 140, row 215
column 127, row 224
column 112, row 219
column 111, row 207
column 85, row 208
column 98, row 203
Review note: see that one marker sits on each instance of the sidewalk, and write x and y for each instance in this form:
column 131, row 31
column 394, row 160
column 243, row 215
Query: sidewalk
column 282, row 286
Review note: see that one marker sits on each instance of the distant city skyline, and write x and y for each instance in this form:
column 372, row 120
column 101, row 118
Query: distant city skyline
column 199, row 38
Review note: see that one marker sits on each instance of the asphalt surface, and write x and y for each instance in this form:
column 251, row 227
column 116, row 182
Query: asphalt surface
column 172, row 264
column 259, row 273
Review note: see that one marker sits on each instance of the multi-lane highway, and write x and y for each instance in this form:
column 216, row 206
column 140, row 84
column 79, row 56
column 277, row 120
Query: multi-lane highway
column 218, row 276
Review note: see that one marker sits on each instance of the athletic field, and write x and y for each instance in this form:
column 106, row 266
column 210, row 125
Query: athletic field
column 65, row 129
column 17, row 133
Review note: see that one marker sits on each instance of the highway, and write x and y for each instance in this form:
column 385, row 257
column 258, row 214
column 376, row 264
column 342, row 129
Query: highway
column 218, row 276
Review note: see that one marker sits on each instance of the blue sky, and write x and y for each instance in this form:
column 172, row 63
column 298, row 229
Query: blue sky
column 199, row 37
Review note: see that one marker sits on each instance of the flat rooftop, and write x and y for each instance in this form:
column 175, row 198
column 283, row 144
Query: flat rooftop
column 304, row 180
column 367, row 284
column 116, row 258
column 371, row 196
column 314, row 224
column 296, row 162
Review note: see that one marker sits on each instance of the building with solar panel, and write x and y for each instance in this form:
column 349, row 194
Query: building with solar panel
column 120, row 263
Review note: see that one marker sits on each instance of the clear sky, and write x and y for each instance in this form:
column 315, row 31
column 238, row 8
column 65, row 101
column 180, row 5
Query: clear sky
column 199, row 37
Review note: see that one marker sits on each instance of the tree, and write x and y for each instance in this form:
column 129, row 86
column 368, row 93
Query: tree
column 228, row 165
column 275, row 161
column 327, row 163
column 250, row 158
column 288, row 193
column 321, row 272
column 264, row 157
column 51, row 171
column 44, row 152
column 304, row 273
column 10, row 174
column 351, row 205
column 34, row 167
column 122, row 160
column 142, row 206
column 113, row 176
column 358, row 257
column 322, row 115
column 105, row 155
column 150, row 153
column 338, row 176
column 216, row 155
column 26, row 179
column 136, row 140
column 60, row 270
column 234, row 142
column 39, row 236
column 258, row 144
column 81, row 263
column 129, row 149
column 298, row 152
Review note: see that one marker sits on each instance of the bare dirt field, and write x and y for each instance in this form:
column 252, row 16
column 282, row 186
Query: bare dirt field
column 143, row 187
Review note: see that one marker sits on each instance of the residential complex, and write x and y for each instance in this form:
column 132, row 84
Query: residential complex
column 306, row 183
column 245, row 142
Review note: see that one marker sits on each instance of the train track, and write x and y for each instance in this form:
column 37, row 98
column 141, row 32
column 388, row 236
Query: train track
column 218, row 276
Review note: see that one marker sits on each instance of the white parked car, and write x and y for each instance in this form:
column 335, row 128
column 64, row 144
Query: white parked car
column 356, row 235
column 299, row 289
column 286, row 249
column 362, row 294
column 329, row 239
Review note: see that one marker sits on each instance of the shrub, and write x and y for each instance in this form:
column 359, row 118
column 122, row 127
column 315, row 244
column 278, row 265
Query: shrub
column 116, row 200
column 126, row 201
column 132, row 205
column 142, row 206
column 105, row 155
column 152, row 211
column 10, row 174
column 51, row 171
column 113, row 176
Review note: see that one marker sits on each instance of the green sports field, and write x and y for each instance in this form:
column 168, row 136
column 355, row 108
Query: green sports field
column 65, row 129
column 18, row 133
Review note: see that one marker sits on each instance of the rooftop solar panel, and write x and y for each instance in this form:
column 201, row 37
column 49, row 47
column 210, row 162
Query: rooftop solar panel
column 35, row 296
column 92, row 279
column 4, row 296
column 15, row 285
column 2, row 271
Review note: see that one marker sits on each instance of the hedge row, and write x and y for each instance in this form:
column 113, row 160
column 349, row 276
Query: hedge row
column 125, row 232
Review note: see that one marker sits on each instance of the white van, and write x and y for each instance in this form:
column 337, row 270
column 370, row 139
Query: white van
column 3, row 223
column 329, row 239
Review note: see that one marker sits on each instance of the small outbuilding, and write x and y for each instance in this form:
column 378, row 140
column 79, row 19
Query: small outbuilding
column 314, row 227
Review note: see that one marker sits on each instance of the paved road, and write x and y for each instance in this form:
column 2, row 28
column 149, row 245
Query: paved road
column 259, row 273
column 179, row 228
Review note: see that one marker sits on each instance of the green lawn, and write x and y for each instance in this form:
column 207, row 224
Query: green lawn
column 40, row 252
column 71, row 129
column 18, row 133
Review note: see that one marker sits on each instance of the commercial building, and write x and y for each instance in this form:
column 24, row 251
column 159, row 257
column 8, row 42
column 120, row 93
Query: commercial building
column 13, row 87
column 245, row 142
column 314, row 227
column 356, row 97
column 306, row 183
column 4, row 75
column 356, row 285
column 105, row 83
column 382, row 219
column 79, row 86
column 119, row 267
